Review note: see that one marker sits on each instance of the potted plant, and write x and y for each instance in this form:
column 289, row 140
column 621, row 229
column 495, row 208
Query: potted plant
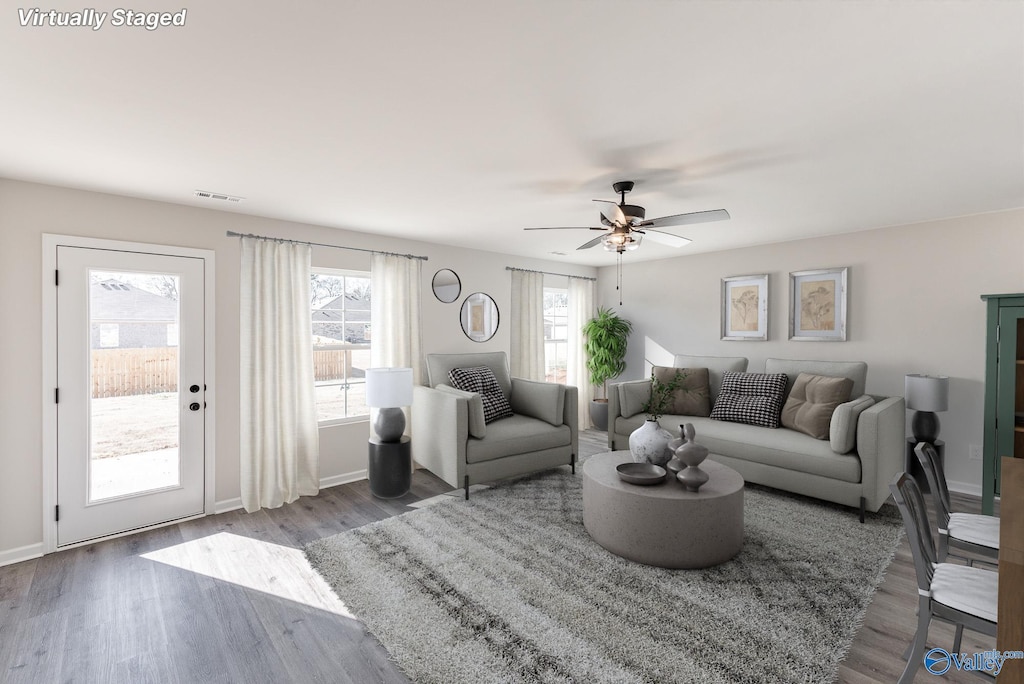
column 649, row 442
column 606, row 336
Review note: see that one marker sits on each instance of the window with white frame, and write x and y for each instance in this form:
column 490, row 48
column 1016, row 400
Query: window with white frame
column 556, row 330
column 340, row 315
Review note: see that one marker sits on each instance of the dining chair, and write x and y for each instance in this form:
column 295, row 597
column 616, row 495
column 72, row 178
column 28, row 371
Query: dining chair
column 966, row 531
column 963, row 595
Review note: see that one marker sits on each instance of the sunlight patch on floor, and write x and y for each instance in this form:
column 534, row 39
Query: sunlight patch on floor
column 254, row 564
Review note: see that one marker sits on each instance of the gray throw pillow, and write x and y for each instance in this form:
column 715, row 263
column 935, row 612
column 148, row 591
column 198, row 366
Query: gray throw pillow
column 481, row 379
column 812, row 401
column 693, row 398
column 477, row 424
column 753, row 398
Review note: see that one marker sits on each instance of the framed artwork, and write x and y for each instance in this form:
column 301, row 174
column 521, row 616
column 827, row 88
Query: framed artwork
column 745, row 307
column 817, row 305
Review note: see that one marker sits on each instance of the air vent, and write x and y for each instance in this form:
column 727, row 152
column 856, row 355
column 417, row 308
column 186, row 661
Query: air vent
column 206, row 194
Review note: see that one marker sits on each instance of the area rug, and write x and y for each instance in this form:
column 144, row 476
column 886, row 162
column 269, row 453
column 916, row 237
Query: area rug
column 509, row 587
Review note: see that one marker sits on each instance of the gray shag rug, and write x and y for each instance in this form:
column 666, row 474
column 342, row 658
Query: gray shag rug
column 509, row 587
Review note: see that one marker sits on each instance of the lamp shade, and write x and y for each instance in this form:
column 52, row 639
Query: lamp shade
column 927, row 392
column 388, row 387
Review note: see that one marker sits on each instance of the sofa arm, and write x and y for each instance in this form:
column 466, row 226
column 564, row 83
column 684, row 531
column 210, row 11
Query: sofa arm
column 881, row 446
column 615, row 406
column 440, row 430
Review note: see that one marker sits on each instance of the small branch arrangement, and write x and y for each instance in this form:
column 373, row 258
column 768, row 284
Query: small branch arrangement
column 661, row 394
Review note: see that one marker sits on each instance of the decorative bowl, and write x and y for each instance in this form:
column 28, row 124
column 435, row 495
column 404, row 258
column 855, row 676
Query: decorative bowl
column 641, row 473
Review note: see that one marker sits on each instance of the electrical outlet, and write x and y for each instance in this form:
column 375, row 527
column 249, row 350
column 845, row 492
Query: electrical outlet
column 974, row 452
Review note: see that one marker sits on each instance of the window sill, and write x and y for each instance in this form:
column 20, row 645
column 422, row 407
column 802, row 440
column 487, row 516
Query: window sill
column 343, row 421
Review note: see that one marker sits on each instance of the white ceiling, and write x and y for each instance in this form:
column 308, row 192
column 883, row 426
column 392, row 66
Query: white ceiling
column 463, row 122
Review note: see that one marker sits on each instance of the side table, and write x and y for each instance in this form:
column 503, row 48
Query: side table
column 390, row 468
column 913, row 466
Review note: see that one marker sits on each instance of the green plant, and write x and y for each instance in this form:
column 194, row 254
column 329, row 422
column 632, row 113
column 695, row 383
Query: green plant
column 661, row 394
column 606, row 337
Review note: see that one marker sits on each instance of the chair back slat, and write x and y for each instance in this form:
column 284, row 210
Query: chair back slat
column 933, row 470
column 915, row 521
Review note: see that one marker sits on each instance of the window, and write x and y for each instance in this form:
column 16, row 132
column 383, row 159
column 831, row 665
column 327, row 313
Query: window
column 172, row 334
column 556, row 331
column 340, row 314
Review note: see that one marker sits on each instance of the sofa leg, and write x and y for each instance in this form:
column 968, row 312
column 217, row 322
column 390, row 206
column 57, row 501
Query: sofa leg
column 863, row 504
column 466, row 482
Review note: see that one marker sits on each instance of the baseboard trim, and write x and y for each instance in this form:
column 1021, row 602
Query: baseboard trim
column 964, row 488
column 234, row 504
column 20, row 554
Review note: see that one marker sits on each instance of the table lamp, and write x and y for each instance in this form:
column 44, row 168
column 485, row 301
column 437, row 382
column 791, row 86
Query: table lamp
column 926, row 395
column 388, row 389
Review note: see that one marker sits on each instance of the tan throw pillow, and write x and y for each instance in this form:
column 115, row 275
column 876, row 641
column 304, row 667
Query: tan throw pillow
column 811, row 403
column 693, row 398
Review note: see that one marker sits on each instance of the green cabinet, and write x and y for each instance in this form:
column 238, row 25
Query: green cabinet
column 1004, row 389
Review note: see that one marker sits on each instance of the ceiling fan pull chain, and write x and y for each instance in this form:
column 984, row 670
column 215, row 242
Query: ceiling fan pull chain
column 618, row 285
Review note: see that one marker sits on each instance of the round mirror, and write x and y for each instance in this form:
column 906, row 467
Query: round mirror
column 479, row 317
column 447, row 286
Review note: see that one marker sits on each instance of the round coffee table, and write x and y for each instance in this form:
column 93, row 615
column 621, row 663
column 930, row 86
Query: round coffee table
column 663, row 524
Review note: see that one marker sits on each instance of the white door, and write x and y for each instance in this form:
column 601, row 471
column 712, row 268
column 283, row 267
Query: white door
column 130, row 391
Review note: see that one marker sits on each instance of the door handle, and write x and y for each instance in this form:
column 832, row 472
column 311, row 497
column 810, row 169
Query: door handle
column 194, row 406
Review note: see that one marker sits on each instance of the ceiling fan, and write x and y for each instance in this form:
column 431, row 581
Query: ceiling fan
column 626, row 225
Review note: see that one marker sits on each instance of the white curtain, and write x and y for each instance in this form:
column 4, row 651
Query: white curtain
column 395, row 336
column 280, row 442
column 527, row 325
column 581, row 310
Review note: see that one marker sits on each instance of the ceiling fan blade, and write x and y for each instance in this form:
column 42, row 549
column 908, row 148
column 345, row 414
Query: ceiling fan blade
column 593, row 243
column 566, row 228
column 665, row 238
column 612, row 212
column 686, row 219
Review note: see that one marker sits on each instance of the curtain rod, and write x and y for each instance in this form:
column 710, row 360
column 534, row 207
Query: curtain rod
column 566, row 275
column 232, row 233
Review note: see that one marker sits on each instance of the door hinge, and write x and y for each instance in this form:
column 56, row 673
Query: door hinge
column 56, row 277
column 56, row 513
column 56, row 395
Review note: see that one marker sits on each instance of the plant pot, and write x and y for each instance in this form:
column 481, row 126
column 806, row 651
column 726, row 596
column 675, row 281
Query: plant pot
column 599, row 413
column 649, row 444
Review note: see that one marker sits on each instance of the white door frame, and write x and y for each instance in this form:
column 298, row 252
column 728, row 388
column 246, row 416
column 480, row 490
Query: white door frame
column 49, row 311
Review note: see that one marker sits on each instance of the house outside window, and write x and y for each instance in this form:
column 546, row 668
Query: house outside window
column 340, row 317
column 110, row 336
column 556, row 331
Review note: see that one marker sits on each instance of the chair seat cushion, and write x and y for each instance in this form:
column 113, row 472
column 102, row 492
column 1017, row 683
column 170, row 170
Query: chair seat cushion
column 982, row 530
column 967, row 589
column 517, row 435
column 481, row 379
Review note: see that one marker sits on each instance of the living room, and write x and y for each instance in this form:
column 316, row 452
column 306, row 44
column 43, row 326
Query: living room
column 914, row 283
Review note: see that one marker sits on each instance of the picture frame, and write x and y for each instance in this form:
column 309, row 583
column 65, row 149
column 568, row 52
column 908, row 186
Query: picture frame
column 817, row 305
column 745, row 307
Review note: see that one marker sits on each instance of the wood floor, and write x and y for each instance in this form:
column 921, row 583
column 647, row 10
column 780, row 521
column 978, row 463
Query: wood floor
column 230, row 598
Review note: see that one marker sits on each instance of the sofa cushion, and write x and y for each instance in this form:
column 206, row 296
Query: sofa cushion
column 481, row 379
column 842, row 432
column 632, row 397
column 716, row 365
column 477, row 423
column 811, row 403
column 517, row 435
column 752, row 398
column 542, row 400
column 693, row 398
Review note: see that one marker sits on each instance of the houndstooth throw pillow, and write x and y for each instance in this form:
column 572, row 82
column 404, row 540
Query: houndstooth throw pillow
column 481, row 380
column 752, row 398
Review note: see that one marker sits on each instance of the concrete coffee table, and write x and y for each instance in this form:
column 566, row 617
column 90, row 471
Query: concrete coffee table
column 663, row 524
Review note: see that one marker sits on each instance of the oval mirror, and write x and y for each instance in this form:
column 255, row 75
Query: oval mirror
column 446, row 285
column 479, row 317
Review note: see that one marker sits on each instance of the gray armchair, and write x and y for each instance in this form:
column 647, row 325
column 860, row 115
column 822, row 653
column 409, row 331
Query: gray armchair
column 451, row 440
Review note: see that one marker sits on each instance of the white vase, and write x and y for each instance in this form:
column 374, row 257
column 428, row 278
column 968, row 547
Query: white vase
column 649, row 444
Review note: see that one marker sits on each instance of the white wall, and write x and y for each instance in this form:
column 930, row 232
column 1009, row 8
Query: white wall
column 28, row 210
column 914, row 307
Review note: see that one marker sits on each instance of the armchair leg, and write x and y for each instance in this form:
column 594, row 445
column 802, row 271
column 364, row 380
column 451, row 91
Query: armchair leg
column 572, row 462
column 863, row 505
column 466, row 483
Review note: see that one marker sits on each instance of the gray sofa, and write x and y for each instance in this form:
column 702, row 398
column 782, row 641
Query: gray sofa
column 853, row 467
column 450, row 439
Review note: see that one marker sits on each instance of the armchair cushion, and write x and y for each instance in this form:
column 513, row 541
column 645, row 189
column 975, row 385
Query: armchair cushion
column 477, row 424
column 812, row 401
column 481, row 379
column 542, row 400
column 517, row 435
column 842, row 431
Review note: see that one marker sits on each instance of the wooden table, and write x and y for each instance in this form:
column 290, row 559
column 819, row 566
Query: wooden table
column 1010, row 631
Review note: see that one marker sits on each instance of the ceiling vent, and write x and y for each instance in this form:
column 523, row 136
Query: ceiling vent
column 206, row 194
